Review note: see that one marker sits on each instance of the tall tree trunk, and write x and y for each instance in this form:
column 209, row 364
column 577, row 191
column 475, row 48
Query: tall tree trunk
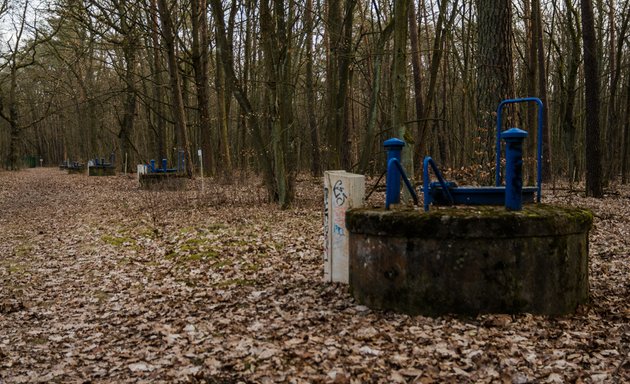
column 16, row 132
column 343, row 99
column 417, row 79
column 570, row 90
column 399, row 84
column 495, row 75
column 614, row 135
column 274, row 35
column 542, row 91
column 625, row 147
column 158, row 81
column 532, row 70
column 227, row 63
column 316, row 162
column 368, row 138
column 177, row 105
column 594, row 185
column 339, row 39
column 200, row 57
column 129, row 110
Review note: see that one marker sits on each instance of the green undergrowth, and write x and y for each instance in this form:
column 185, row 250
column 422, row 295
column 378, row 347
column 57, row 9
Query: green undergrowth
column 119, row 241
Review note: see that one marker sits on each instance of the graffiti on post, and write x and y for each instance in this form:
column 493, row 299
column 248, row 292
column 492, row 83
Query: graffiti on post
column 326, row 221
column 339, row 193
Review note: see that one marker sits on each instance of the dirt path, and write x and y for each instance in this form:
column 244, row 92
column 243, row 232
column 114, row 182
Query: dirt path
column 102, row 282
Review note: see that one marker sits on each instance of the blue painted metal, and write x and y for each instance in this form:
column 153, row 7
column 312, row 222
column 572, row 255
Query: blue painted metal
column 393, row 147
column 427, row 186
column 447, row 193
column 101, row 163
column 395, row 172
column 471, row 195
column 514, row 138
column 538, row 141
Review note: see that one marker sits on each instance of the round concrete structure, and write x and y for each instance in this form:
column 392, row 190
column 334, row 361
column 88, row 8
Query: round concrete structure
column 470, row 260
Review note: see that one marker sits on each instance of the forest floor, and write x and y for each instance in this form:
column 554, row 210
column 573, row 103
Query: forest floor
column 103, row 282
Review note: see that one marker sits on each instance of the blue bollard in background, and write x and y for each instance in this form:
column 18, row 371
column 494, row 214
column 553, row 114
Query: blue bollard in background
column 164, row 165
column 392, row 193
column 514, row 138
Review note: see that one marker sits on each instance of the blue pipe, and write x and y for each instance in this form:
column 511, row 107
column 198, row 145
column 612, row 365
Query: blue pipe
column 538, row 143
column 395, row 172
column 514, row 138
column 393, row 147
column 428, row 161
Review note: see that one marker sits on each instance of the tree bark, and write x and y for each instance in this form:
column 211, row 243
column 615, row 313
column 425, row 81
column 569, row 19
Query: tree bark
column 177, row 105
column 495, row 74
column 227, row 63
column 417, row 79
column 594, row 185
column 200, row 57
column 316, row 162
column 368, row 138
column 399, row 84
column 158, row 81
column 542, row 91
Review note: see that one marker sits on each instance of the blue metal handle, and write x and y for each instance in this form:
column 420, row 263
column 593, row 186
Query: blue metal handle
column 538, row 144
column 426, row 180
column 394, row 172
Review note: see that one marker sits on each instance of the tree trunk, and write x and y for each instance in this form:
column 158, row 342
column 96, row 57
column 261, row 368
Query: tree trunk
column 495, row 75
column 542, row 91
column 368, row 138
column 339, row 33
column 594, row 186
column 417, row 80
column 177, row 105
column 625, row 147
column 160, row 130
column 316, row 162
column 200, row 57
column 227, row 64
column 399, row 84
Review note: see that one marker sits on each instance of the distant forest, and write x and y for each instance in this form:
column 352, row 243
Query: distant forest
column 282, row 87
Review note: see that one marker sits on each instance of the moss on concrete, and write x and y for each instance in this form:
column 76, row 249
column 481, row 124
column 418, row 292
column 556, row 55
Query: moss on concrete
column 470, row 260
column 470, row 221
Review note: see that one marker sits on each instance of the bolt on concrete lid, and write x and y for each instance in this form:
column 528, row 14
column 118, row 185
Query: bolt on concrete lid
column 393, row 143
column 514, row 133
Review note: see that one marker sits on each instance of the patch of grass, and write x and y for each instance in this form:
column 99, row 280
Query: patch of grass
column 203, row 256
column 186, row 255
column 252, row 267
column 101, row 296
column 38, row 340
column 215, row 227
column 119, row 241
column 186, row 230
column 23, row 250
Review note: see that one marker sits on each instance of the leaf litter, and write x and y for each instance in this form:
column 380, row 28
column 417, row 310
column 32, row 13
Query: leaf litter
column 103, row 282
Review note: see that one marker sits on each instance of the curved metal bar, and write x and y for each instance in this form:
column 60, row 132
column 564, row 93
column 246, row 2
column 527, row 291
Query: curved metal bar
column 428, row 161
column 394, row 162
column 538, row 139
column 406, row 180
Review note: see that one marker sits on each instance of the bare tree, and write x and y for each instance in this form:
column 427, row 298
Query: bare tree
column 495, row 71
column 179, row 114
column 594, row 183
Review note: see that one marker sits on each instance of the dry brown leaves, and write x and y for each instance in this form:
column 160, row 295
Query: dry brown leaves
column 102, row 282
